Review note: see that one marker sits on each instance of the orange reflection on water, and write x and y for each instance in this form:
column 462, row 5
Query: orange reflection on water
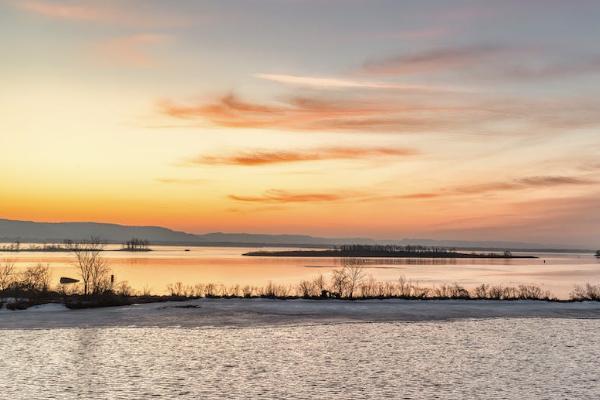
column 225, row 265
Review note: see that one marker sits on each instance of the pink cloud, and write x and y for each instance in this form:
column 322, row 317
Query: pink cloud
column 134, row 50
column 106, row 12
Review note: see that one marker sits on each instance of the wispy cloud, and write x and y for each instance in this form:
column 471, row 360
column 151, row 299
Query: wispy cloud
column 343, row 83
column 323, row 114
column 525, row 70
column 433, row 60
column 181, row 181
column 75, row 12
column 105, row 12
column 133, row 50
column 533, row 182
column 522, row 184
column 282, row 196
column 488, row 62
column 256, row 158
column 459, row 114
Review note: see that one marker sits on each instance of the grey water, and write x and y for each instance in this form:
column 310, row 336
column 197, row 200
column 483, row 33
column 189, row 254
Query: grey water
column 534, row 358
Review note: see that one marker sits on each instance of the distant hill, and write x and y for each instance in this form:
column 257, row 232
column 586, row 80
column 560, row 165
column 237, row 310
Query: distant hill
column 52, row 232
column 27, row 231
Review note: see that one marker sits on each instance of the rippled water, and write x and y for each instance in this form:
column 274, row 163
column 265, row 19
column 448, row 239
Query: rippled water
column 491, row 359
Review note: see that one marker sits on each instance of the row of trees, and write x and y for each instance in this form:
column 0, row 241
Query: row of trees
column 351, row 282
column 361, row 249
column 136, row 244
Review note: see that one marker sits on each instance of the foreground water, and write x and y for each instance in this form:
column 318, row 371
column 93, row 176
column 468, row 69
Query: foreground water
column 169, row 264
column 535, row 358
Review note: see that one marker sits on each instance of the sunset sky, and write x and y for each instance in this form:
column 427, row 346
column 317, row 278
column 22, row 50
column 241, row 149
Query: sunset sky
column 467, row 120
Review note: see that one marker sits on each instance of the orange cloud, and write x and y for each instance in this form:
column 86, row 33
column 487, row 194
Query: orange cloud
column 279, row 157
column 181, row 181
column 417, row 196
column 425, row 112
column 282, row 196
column 533, row 182
column 303, row 113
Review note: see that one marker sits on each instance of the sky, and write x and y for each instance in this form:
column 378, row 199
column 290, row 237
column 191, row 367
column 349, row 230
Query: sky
column 465, row 120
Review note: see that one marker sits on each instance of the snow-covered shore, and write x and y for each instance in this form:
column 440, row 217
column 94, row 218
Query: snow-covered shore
column 256, row 312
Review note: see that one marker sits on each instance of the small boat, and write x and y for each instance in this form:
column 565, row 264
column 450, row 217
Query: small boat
column 66, row 280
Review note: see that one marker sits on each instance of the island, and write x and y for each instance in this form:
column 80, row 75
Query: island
column 384, row 251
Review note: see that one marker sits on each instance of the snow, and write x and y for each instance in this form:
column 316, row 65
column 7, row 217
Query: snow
column 261, row 312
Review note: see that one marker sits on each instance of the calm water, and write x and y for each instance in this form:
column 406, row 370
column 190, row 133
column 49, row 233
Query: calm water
column 468, row 359
column 225, row 265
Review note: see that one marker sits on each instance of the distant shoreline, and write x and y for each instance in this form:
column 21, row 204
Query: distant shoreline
column 56, row 250
column 370, row 254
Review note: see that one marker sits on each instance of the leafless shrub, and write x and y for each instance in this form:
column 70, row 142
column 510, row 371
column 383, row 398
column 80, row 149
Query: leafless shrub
column 210, row 290
column 93, row 268
column 124, row 289
column 235, row 291
column 419, row 292
column 273, row 290
column 247, row 291
column 7, row 276
column 176, row 289
column 588, row 292
column 339, row 283
column 146, row 291
column 354, row 272
column 306, row 289
column 35, row 279
column 368, row 287
column 481, row 291
column 320, row 285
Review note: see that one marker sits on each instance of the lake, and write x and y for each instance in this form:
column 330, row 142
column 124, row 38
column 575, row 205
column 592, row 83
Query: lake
column 556, row 272
column 533, row 358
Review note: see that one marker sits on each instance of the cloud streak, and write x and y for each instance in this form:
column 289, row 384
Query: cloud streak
column 342, row 83
column 180, row 181
column 485, row 62
column 533, row 182
column 526, row 183
column 433, row 60
column 282, row 196
column 323, row 114
column 101, row 12
column 258, row 158
column 67, row 11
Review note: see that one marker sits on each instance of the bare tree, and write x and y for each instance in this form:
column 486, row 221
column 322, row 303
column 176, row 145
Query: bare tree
column 339, row 281
column 306, row 288
column 36, row 278
column 7, row 277
column 320, row 285
column 93, row 268
column 355, row 273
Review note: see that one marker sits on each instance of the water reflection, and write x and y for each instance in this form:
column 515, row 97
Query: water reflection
column 226, row 265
